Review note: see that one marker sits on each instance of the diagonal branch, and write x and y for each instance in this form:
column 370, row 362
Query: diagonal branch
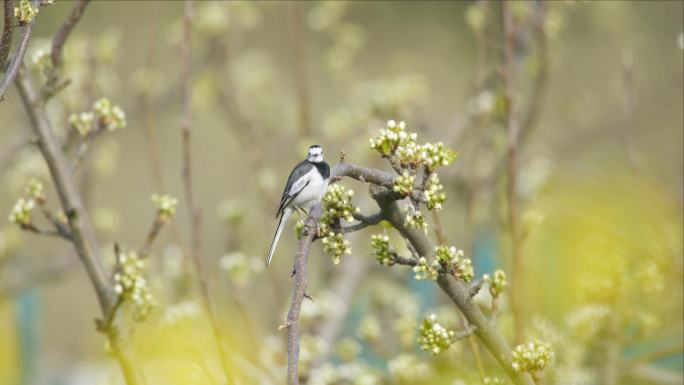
column 70, row 198
column 457, row 292
column 82, row 233
column 62, row 35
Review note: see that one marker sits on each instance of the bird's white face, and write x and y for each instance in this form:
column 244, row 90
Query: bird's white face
column 315, row 154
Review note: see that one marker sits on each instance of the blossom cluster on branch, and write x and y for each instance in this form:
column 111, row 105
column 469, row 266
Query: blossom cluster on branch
column 433, row 337
column 104, row 115
column 131, row 284
column 337, row 205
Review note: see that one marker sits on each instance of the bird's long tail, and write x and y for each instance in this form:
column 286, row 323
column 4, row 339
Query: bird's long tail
column 283, row 219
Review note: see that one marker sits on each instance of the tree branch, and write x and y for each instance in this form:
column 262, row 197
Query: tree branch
column 61, row 37
column 72, row 204
column 83, row 236
column 301, row 259
column 7, row 32
column 15, row 64
column 364, row 221
column 455, row 290
column 194, row 211
column 458, row 293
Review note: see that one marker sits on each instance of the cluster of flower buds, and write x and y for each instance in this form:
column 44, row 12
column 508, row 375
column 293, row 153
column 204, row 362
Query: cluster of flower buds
column 532, row 357
column 337, row 245
column 298, row 228
column 434, row 197
column 496, row 283
column 381, row 250
column 22, row 211
column 131, row 285
column 453, row 259
column 337, row 205
column 392, row 138
column 105, row 115
column 433, row 337
column 415, row 219
column 25, row 12
column 166, row 206
column 395, row 141
column 424, row 270
column 35, row 190
column 404, row 183
column 436, row 155
column 83, row 122
column 108, row 115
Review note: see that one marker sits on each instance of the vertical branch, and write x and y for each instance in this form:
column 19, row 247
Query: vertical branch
column 512, row 128
column 7, row 32
column 194, row 212
column 186, row 124
column 299, row 61
column 298, row 294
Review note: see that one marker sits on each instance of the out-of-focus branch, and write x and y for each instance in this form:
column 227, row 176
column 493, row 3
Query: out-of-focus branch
column 301, row 259
column 15, row 64
column 60, row 38
column 529, row 121
column 345, row 286
column 512, row 129
column 7, row 32
column 299, row 64
column 194, row 211
column 83, row 236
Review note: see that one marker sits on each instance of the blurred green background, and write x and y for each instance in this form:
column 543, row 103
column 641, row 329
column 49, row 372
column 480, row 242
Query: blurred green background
column 600, row 186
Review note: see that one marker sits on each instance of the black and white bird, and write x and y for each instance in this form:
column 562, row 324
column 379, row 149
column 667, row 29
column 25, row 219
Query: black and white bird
column 305, row 187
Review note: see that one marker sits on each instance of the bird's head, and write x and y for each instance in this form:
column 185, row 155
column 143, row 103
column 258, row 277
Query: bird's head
column 315, row 154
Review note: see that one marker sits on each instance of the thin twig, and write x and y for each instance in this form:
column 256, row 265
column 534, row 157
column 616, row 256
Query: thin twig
column 299, row 60
column 15, row 64
column 194, row 211
column 156, row 227
column 512, row 129
column 7, row 32
column 62, row 35
column 364, row 221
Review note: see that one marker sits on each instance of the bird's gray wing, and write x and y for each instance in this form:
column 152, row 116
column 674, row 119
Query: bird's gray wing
column 295, row 184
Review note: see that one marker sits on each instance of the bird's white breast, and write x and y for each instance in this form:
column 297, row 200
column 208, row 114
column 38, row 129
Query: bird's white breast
column 313, row 192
